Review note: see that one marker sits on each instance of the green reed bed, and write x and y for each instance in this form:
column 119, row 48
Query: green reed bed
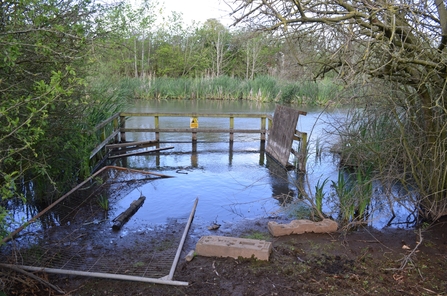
column 262, row 89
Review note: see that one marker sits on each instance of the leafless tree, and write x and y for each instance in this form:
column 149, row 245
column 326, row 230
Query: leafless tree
column 400, row 47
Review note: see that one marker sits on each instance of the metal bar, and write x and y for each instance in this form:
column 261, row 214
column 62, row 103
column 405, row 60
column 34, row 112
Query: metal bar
column 182, row 241
column 99, row 275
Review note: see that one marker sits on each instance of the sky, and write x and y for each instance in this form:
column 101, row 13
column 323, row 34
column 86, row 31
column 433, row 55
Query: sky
column 200, row 10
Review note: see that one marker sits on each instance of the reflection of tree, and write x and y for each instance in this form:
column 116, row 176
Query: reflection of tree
column 280, row 182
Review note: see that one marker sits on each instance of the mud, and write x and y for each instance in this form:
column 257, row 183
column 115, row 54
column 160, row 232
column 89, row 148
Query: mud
column 362, row 262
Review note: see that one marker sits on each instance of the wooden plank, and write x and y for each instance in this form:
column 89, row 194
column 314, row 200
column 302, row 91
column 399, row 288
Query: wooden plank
column 128, row 144
column 140, row 152
column 103, row 143
column 280, row 138
column 225, row 115
column 125, row 216
column 105, row 122
column 194, row 130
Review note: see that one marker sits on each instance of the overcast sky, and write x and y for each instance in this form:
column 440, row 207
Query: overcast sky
column 200, row 10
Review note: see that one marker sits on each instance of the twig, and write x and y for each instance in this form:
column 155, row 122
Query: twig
column 377, row 239
column 407, row 258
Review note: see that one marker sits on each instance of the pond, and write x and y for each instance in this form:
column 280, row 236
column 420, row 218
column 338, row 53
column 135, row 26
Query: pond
column 232, row 182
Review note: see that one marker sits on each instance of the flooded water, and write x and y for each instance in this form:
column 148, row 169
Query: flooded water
column 232, row 182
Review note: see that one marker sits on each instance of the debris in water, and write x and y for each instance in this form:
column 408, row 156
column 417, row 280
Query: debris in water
column 214, row 226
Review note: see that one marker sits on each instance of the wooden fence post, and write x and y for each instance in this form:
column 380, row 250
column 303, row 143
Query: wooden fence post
column 263, row 128
column 157, row 126
column 231, row 128
column 123, row 125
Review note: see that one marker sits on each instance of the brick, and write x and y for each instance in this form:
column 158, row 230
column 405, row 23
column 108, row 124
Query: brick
column 302, row 226
column 222, row 246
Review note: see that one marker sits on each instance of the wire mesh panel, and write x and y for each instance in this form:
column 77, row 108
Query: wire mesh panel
column 76, row 233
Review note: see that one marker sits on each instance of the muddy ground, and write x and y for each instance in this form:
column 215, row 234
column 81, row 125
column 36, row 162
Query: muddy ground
column 362, row 262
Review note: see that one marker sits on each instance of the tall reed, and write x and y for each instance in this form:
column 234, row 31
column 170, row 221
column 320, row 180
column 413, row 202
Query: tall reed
column 262, row 89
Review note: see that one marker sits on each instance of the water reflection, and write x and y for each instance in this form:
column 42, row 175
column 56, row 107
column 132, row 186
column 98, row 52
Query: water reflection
column 233, row 180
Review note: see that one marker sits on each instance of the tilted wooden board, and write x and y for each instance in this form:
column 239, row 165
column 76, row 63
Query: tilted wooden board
column 279, row 143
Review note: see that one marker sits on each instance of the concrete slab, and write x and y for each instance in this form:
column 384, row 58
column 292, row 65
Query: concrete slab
column 222, row 246
column 302, row 226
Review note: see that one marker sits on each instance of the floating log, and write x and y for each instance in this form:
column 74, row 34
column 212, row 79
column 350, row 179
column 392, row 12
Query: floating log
column 139, row 153
column 125, row 216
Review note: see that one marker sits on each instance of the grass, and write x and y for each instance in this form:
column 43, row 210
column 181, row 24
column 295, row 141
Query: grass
column 103, row 202
column 319, row 195
column 343, row 190
column 258, row 235
column 261, row 89
column 354, row 192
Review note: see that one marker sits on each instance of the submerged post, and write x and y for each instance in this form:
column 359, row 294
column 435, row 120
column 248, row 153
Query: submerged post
column 116, row 126
column 263, row 128
column 231, row 128
column 157, row 126
column 123, row 126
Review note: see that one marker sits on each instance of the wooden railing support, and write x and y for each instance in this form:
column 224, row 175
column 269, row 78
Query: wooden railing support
column 123, row 126
column 116, row 127
column 231, row 128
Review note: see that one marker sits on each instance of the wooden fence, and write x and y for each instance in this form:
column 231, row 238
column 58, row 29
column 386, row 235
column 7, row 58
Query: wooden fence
column 113, row 130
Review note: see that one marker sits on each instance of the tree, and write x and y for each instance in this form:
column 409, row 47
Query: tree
column 217, row 40
column 42, row 94
column 400, row 44
column 128, row 32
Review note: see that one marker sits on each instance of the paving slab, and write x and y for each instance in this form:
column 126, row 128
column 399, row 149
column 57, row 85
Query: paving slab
column 223, row 246
column 302, row 226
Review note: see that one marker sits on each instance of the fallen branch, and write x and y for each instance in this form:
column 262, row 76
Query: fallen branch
column 125, row 216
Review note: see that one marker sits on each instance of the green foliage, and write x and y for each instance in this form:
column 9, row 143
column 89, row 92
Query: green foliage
column 262, row 88
column 343, row 190
column 258, row 235
column 354, row 192
column 319, row 196
column 103, row 202
column 289, row 93
column 43, row 102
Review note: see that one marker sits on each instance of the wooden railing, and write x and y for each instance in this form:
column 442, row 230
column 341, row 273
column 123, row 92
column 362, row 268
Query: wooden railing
column 193, row 130
column 113, row 130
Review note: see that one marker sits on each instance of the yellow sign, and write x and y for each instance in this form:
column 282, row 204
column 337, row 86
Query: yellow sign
column 194, row 123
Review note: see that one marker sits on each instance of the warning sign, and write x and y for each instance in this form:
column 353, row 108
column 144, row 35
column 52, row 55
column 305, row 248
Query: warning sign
column 194, row 123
